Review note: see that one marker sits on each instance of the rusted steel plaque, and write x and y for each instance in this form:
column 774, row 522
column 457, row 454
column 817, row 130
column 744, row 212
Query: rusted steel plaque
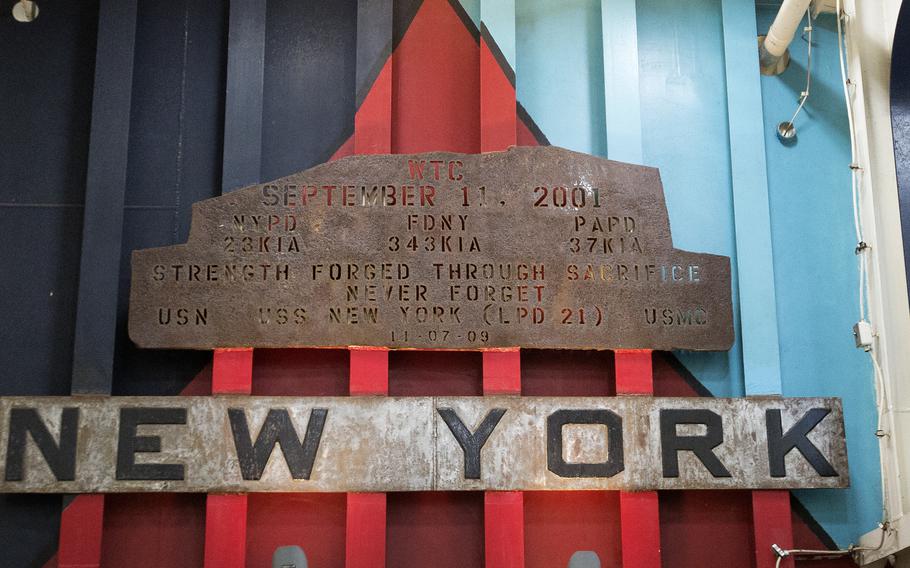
column 215, row 444
column 532, row 247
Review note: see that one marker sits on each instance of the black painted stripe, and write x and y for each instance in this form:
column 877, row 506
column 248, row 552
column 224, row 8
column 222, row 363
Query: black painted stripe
column 465, row 19
column 243, row 103
column 375, row 32
column 525, row 117
column 381, row 25
column 803, row 513
column 687, row 376
column 497, row 54
column 105, row 188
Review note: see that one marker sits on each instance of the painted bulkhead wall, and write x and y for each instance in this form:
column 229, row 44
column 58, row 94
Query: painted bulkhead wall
column 684, row 124
column 308, row 106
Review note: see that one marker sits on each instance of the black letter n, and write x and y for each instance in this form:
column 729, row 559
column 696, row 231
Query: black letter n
column 279, row 429
column 60, row 458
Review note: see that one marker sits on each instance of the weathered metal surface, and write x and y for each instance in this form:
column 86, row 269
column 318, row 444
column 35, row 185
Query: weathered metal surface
column 532, row 247
column 215, row 444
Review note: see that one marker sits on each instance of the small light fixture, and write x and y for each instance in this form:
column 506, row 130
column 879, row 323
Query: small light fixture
column 25, row 11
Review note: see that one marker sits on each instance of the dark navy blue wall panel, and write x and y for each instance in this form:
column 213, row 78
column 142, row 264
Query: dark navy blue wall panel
column 900, row 122
column 46, row 73
column 46, row 76
column 46, row 93
column 308, row 87
column 176, row 132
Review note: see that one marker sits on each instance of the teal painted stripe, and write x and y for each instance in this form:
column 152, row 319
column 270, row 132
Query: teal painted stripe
column 498, row 16
column 817, row 277
column 751, row 211
column 685, row 135
column 472, row 9
column 559, row 77
column 622, row 102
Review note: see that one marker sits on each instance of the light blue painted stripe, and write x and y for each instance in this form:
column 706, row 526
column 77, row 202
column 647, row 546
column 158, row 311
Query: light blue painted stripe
column 751, row 211
column 498, row 16
column 622, row 102
column 472, row 8
column 817, row 300
column 560, row 66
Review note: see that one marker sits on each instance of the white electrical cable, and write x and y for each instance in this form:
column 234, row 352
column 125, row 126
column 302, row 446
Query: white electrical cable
column 804, row 96
column 883, row 402
column 854, row 165
column 883, row 393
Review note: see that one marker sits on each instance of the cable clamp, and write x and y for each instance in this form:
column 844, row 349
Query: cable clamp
column 780, row 552
column 881, row 433
column 856, row 167
column 861, row 247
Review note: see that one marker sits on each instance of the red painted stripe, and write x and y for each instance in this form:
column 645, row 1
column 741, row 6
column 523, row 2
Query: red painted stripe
column 225, row 531
column 365, row 530
column 772, row 524
column 498, row 122
column 639, row 512
column 502, row 372
column 503, row 528
column 365, row 526
column 437, row 79
column 81, row 527
column 369, row 371
column 345, row 150
column 634, row 372
column 225, row 515
column 232, row 371
column 503, row 518
column 640, row 521
column 373, row 120
column 503, row 511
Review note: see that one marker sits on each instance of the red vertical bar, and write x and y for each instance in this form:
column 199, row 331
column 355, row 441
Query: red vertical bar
column 369, row 371
column 373, row 120
column 639, row 512
column 503, row 529
column 502, row 372
column 503, row 511
column 634, row 374
column 365, row 526
column 640, row 522
column 225, row 515
column 498, row 122
column 81, row 525
column 232, row 371
column 225, row 531
column 772, row 525
column 365, row 530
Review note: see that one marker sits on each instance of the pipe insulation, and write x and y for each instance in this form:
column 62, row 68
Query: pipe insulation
column 782, row 30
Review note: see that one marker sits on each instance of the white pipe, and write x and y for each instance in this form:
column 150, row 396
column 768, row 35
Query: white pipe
column 781, row 32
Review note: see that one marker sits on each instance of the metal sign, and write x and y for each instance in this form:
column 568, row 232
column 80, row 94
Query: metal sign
column 532, row 247
column 248, row 444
